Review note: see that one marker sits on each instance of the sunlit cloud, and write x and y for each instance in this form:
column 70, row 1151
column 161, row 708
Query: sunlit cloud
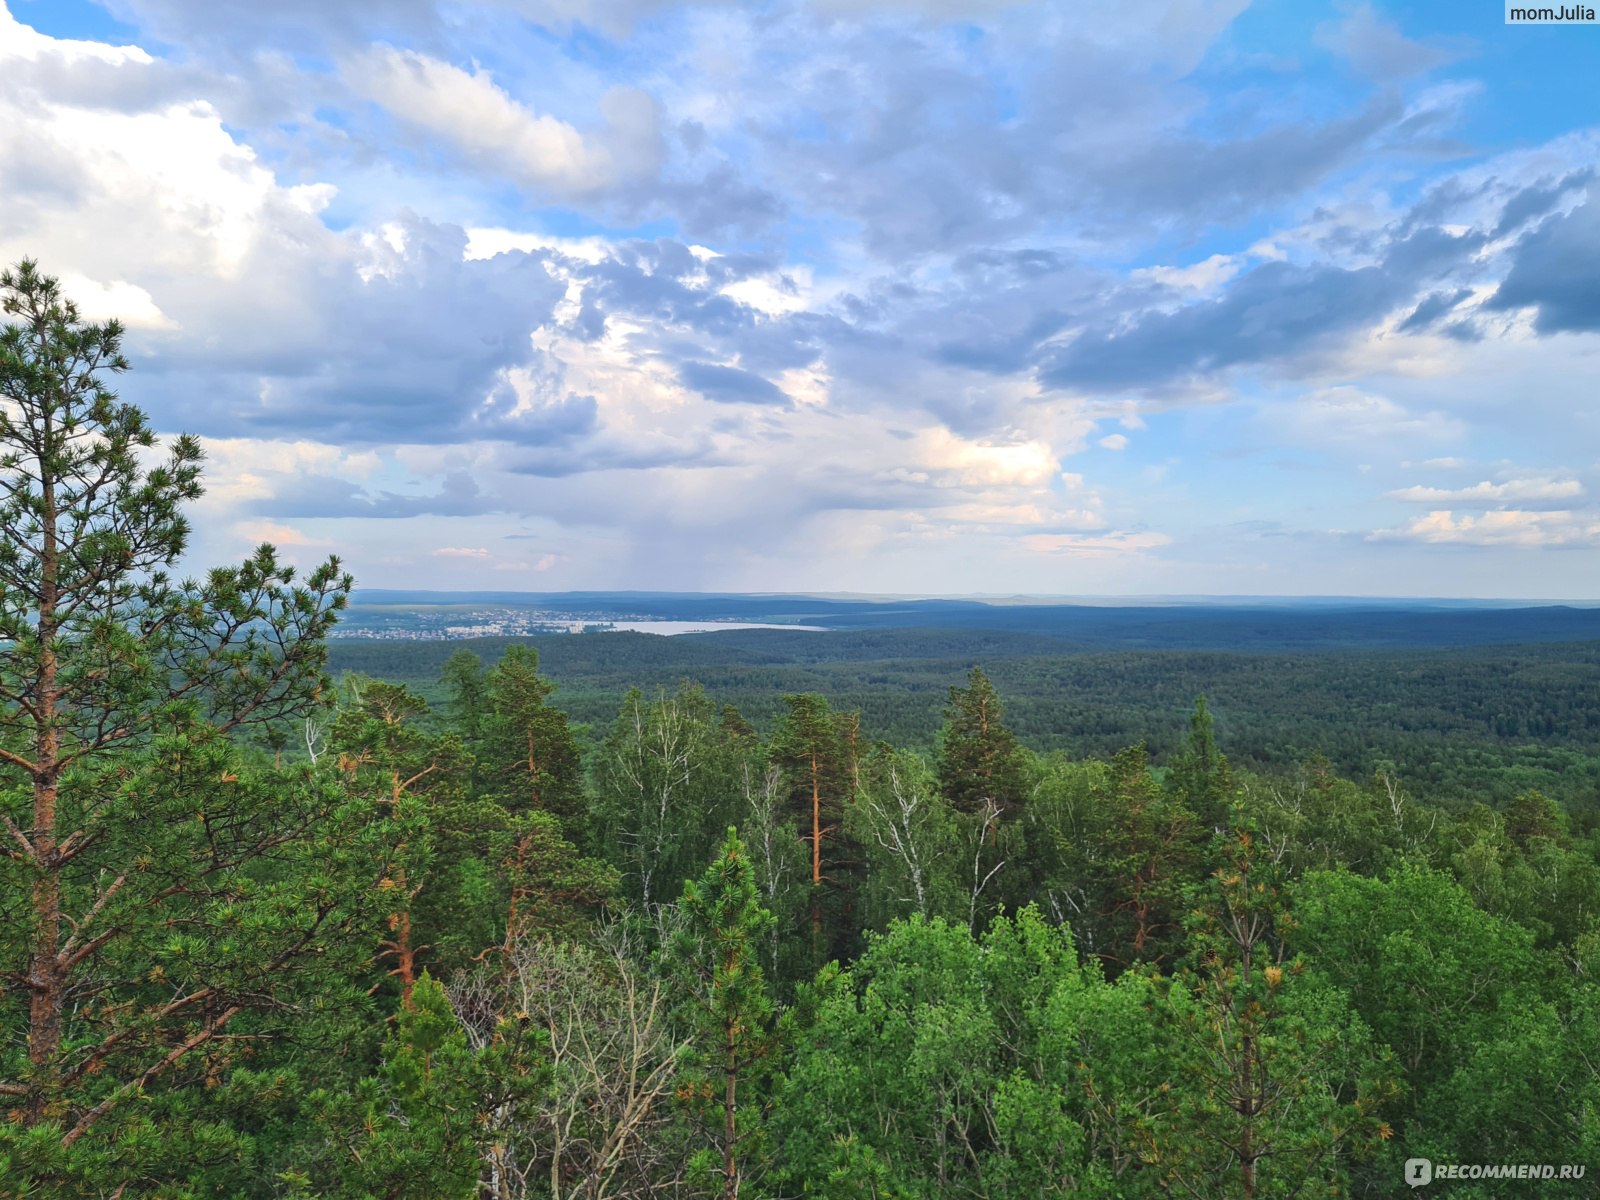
column 706, row 295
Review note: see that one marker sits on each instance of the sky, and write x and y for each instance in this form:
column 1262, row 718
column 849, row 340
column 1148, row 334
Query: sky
column 905, row 296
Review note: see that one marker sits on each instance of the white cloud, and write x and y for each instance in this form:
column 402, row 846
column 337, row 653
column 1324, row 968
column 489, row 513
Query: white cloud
column 22, row 42
column 124, row 301
column 275, row 532
column 1114, row 441
column 957, row 460
column 1095, row 545
column 1205, row 276
column 486, row 242
column 460, row 552
column 1506, row 527
column 495, row 133
column 1356, row 418
column 1376, row 46
column 543, row 563
column 1513, row 490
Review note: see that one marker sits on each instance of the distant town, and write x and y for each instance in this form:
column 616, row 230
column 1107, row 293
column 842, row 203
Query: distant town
column 403, row 623
column 420, row 624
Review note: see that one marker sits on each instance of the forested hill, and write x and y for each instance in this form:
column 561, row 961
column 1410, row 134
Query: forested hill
column 1461, row 722
column 1237, row 625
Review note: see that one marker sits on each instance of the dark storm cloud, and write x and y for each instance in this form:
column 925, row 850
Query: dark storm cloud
column 1556, row 271
column 642, row 280
column 416, row 351
column 1533, row 202
column 553, row 463
column 1433, row 307
column 1270, row 315
column 1273, row 311
column 729, row 385
column 558, row 422
column 1202, row 181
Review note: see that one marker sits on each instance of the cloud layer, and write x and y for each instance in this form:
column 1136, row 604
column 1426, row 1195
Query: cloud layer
column 917, row 295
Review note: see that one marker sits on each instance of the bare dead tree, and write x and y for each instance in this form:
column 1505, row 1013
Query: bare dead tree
column 980, row 880
column 597, row 1130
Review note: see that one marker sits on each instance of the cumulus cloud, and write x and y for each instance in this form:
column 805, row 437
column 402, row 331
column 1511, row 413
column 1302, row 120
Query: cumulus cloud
column 481, row 124
column 730, row 385
column 1504, row 527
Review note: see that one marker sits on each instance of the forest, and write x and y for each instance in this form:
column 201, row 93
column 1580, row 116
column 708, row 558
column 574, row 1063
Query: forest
column 1458, row 723
column 268, row 930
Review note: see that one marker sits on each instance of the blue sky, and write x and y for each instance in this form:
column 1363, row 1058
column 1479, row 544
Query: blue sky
column 943, row 296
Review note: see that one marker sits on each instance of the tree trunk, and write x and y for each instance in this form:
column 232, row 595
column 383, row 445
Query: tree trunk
column 730, row 1129
column 46, row 978
column 816, row 859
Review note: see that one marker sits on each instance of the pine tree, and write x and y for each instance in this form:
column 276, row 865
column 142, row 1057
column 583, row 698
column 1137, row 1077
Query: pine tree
column 530, row 759
column 1276, row 1080
column 465, row 682
column 128, row 823
column 810, row 744
column 719, row 950
column 412, row 1132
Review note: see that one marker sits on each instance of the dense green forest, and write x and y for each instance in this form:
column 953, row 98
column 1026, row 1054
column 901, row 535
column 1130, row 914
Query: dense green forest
column 1458, row 724
column 818, row 928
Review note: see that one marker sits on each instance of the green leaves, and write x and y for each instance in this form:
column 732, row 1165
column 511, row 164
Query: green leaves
column 931, row 1057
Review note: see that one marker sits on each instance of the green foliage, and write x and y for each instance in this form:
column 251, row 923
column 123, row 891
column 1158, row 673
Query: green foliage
column 928, row 1064
column 1275, row 1082
column 980, row 763
column 911, row 839
column 161, row 899
column 1199, row 774
column 666, row 779
column 530, row 759
column 1452, row 724
column 1476, row 1016
column 717, row 951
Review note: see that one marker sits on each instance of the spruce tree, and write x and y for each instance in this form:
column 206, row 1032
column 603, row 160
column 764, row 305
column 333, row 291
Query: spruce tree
column 980, row 762
column 1200, row 775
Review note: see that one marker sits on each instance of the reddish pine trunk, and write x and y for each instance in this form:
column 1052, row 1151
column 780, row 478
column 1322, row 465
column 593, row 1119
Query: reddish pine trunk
column 46, row 975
